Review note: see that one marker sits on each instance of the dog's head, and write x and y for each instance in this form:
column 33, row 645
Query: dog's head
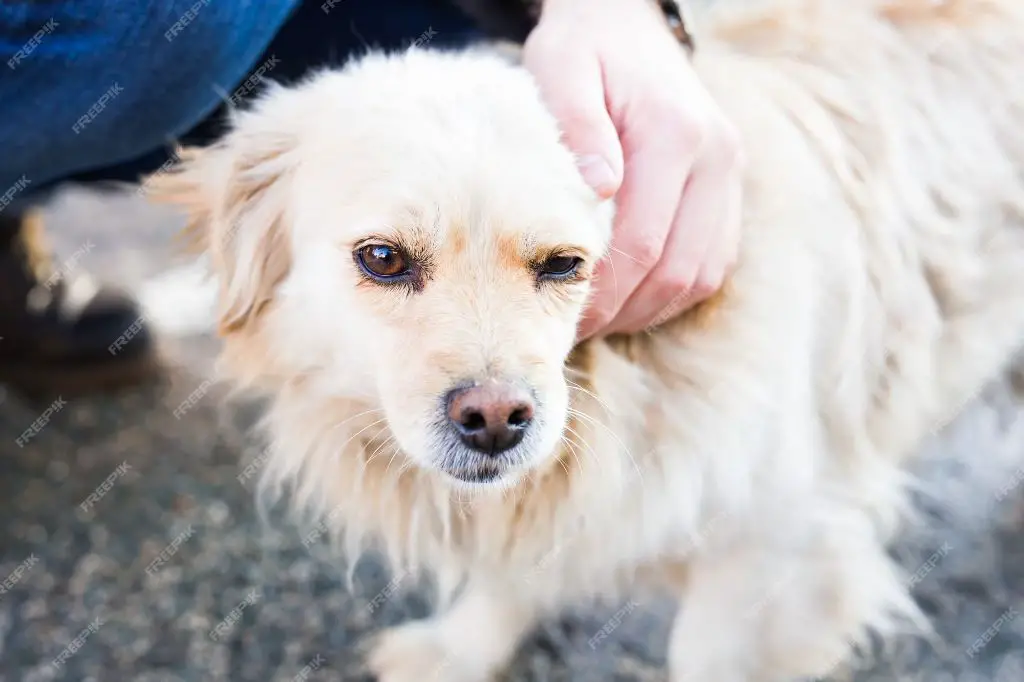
column 411, row 232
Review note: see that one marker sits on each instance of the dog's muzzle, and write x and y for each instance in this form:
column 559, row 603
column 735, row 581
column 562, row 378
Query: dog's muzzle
column 490, row 418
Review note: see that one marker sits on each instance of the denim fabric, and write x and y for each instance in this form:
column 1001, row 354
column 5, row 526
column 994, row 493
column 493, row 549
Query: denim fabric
column 96, row 89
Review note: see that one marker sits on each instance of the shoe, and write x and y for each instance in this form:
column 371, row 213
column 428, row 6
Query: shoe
column 60, row 334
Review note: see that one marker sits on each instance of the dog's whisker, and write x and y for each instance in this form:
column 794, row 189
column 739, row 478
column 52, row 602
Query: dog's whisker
column 375, row 436
column 573, row 385
column 572, row 451
column 597, row 422
column 615, row 280
column 574, row 445
column 404, row 466
column 394, row 454
column 621, row 252
column 376, row 452
column 341, row 449
column 340, row 424
column 618, row 439
column 585, row 444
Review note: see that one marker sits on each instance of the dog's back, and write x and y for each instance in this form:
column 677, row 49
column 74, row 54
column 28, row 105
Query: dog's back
column 881, row 278
column 884, row 138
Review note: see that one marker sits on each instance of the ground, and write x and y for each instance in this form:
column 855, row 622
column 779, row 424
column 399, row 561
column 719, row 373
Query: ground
column 130, row 548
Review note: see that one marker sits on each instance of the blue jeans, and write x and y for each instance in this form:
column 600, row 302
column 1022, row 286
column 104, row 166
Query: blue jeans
column 97, row 89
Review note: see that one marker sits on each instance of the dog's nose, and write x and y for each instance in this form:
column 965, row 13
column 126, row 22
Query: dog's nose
column 491, row 417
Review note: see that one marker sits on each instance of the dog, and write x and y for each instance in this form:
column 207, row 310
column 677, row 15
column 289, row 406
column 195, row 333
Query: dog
column 403, row 249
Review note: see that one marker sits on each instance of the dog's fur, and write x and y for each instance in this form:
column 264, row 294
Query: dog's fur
column 746, row 453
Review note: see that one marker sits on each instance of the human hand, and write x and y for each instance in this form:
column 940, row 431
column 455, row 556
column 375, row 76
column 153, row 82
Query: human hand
column 645, row 130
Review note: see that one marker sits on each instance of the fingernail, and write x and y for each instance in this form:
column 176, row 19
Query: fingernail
column 598, row 174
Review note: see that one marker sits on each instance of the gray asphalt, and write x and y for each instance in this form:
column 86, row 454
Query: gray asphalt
column 166, row 572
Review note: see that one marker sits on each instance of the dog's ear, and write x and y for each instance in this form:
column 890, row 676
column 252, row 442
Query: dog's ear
column 234, row 195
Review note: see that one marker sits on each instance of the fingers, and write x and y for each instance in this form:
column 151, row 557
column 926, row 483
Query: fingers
column 647, row 201
column 701, row 246
column 604, row 301
column 677, row 192
column 722, row 257
column 572, row 86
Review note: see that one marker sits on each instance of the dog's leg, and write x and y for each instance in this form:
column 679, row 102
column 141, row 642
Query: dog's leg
column 470, row 642
column 768, row 610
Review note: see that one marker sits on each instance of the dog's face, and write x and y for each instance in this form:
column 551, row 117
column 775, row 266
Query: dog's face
column 409, row 232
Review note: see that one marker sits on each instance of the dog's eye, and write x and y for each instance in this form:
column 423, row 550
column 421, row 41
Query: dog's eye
column 382, row 262
column 559, row 267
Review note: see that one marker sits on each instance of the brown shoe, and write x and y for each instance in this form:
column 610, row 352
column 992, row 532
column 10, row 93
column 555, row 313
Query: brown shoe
column 60, row 334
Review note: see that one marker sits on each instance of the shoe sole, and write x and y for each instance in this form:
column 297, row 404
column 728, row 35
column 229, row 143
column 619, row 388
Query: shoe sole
column 40, row 382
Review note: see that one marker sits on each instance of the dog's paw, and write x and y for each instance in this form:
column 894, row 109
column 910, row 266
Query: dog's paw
column 416, row 652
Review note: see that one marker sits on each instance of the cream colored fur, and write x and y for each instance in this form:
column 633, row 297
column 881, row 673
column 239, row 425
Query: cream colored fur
column 746, row 454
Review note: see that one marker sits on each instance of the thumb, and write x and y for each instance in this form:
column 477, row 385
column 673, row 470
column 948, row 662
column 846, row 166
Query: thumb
column 573, row 89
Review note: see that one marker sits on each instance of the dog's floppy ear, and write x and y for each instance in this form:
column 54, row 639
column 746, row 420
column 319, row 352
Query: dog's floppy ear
column 234, row 194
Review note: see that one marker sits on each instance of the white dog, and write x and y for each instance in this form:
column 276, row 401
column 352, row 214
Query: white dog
column 403, row 250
